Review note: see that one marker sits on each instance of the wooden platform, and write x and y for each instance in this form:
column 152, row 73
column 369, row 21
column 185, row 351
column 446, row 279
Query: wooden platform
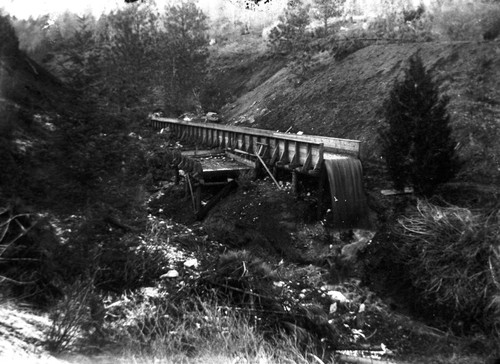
column 220, row 165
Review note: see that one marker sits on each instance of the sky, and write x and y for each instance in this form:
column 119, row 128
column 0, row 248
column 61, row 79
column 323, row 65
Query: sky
column 22, row 9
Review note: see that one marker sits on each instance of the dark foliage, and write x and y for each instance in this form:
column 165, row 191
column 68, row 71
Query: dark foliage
column 417, row 142
column 28, row 243
column 213, row 95
column 290, row 35
column 9, row 43
column 413, row 14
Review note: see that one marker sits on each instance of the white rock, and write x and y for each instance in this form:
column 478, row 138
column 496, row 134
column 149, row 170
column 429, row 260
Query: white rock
column 191, row 263
column 170, row 274
column 333, row 307
column 150, row 292
column 337, row 296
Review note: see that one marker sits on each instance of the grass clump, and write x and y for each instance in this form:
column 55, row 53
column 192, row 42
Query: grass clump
column 452, row 258
column 193, row 331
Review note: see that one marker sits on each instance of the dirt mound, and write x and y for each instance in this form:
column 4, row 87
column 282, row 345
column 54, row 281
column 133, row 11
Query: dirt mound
column 267, row 220
column 344, row 98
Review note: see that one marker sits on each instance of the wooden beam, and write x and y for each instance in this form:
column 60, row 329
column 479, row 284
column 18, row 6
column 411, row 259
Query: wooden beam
column 242, row 160
column 319, row 162
column 307, row 163
column 203, row 211
column 268, row 171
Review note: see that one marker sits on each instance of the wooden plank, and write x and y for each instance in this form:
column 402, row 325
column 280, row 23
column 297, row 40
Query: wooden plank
column 202, row 153
column 241, row 152
column 241, row 159
column 319, row 162
column 294, row 162
column 283, row 159
column 267, row 170
column 407, row 190
column 274, row 155
column 308, row 162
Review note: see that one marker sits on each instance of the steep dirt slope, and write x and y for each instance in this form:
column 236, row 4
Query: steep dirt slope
column 240, row 67
column 344, row 98
column 27, row 85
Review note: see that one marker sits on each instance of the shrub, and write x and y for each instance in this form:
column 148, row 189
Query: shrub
column 417, row 143
column 70, row 314
column 449, row 255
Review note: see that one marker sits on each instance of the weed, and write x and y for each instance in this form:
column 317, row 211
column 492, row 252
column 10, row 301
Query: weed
column 72, row 313
column 451, row 257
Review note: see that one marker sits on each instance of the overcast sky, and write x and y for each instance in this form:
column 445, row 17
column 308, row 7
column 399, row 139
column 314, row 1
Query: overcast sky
column 25, row 8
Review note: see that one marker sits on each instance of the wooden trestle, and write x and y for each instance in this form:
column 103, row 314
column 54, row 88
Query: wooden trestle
column 302, row 154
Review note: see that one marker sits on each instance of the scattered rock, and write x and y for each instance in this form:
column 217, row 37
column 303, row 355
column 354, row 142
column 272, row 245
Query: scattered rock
column 191, row 263
column 151, row 292
column 337, row 296
column 170, row 274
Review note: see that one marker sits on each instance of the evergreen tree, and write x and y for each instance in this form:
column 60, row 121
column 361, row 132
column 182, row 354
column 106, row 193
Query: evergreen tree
column 290, row 35
column 130, row 45
column 186, row 55
column 326, row 9
column 417, row 144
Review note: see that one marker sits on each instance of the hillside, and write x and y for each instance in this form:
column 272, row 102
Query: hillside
column 344, row 98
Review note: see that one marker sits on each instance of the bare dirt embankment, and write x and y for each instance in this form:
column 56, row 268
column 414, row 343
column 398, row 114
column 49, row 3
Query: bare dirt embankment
column 344, row 98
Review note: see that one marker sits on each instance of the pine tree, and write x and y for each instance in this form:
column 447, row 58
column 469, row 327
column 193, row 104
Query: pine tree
column 417, row 144
column 326, row 9
column 290, row 35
